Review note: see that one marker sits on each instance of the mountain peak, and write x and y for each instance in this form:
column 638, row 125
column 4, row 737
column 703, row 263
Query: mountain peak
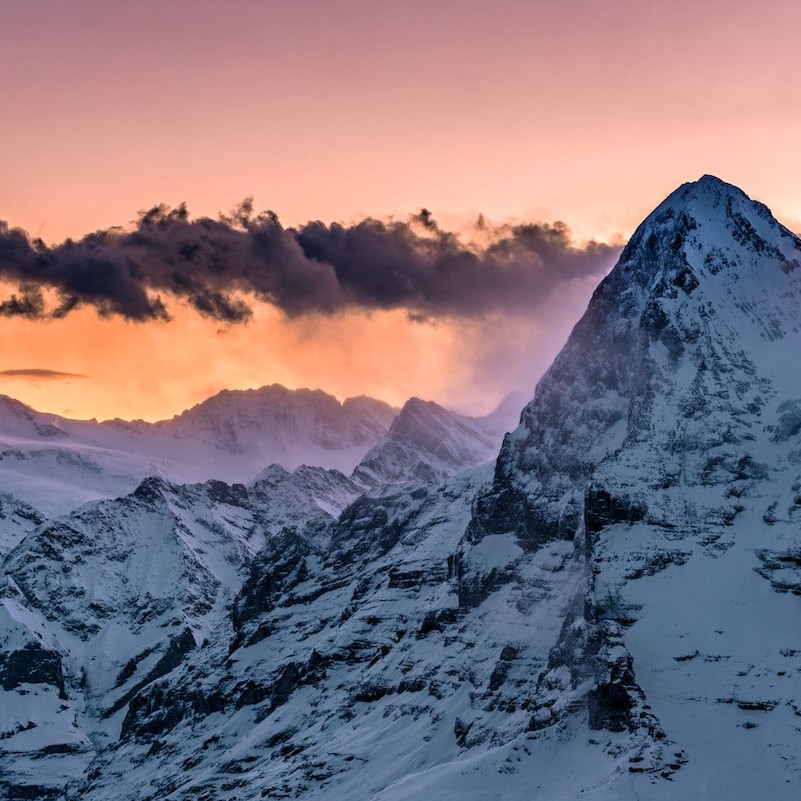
column 707, row 194
column 427, row 442
column 709, row 184
column 709, row 286
column 711, row 232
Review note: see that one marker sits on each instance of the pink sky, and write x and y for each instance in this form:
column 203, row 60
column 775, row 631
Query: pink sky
column 582, row 111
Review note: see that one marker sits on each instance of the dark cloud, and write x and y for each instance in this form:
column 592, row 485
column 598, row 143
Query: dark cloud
column 39, row 373
column 28, row 303
column 317, row 268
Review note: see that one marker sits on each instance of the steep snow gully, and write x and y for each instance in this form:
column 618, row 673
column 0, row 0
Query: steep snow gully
column 608, row 611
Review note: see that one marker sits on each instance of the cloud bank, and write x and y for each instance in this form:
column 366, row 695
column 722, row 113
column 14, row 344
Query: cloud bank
column 220, row 266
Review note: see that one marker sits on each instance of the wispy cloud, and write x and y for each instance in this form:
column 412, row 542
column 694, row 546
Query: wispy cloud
column 217, row 266
column 39, row 374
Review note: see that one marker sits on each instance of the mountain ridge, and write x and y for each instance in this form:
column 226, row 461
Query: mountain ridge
column 55, row 463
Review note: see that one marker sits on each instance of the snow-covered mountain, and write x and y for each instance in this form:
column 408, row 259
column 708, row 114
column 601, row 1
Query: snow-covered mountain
column 610, row 612
column 97, row 604
column 427, row 444
column 54, row 463
column 664, row 443
column 293, row 427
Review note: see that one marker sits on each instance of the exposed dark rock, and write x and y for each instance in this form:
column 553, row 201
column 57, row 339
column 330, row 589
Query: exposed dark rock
column 32, row 664
column 151, row 490
column 506, row 509
column 232, row 494
column 789, row 424
column 782, row 569
column 757, row 706
column 437, row 620
column 460, row 731
column 405, row 579
column 61, row 748
column 160, row 708
column 602, row 509
column 279, row 566
column 688, row 657
column 250, row 693
column 364, row 531
column 475, row 587
column 609, row 707
column 128, row 669
column 501, row 669
column 659, row 327
column 29, row 792
column 573, row 648
column 286, row 683
column 657, row 561
column 371, row 691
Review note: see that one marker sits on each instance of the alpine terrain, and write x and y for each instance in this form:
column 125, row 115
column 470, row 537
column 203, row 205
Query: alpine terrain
column 53, row 462
column 606, row 609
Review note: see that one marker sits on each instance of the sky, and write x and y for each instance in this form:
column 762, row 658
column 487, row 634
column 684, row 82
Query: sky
column 436, row 187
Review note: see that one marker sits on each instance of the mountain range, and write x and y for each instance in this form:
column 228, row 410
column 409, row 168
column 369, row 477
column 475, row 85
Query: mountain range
column 55, row 463
column 606, row 610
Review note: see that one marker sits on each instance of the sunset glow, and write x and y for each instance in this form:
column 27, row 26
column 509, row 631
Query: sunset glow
column 155, row 370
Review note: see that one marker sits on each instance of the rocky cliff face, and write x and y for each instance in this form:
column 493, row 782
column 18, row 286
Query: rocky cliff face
column 608, row 612
column 683, row 346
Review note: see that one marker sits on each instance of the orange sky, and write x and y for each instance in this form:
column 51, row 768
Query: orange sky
column 576, row 110
column 153, row 370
